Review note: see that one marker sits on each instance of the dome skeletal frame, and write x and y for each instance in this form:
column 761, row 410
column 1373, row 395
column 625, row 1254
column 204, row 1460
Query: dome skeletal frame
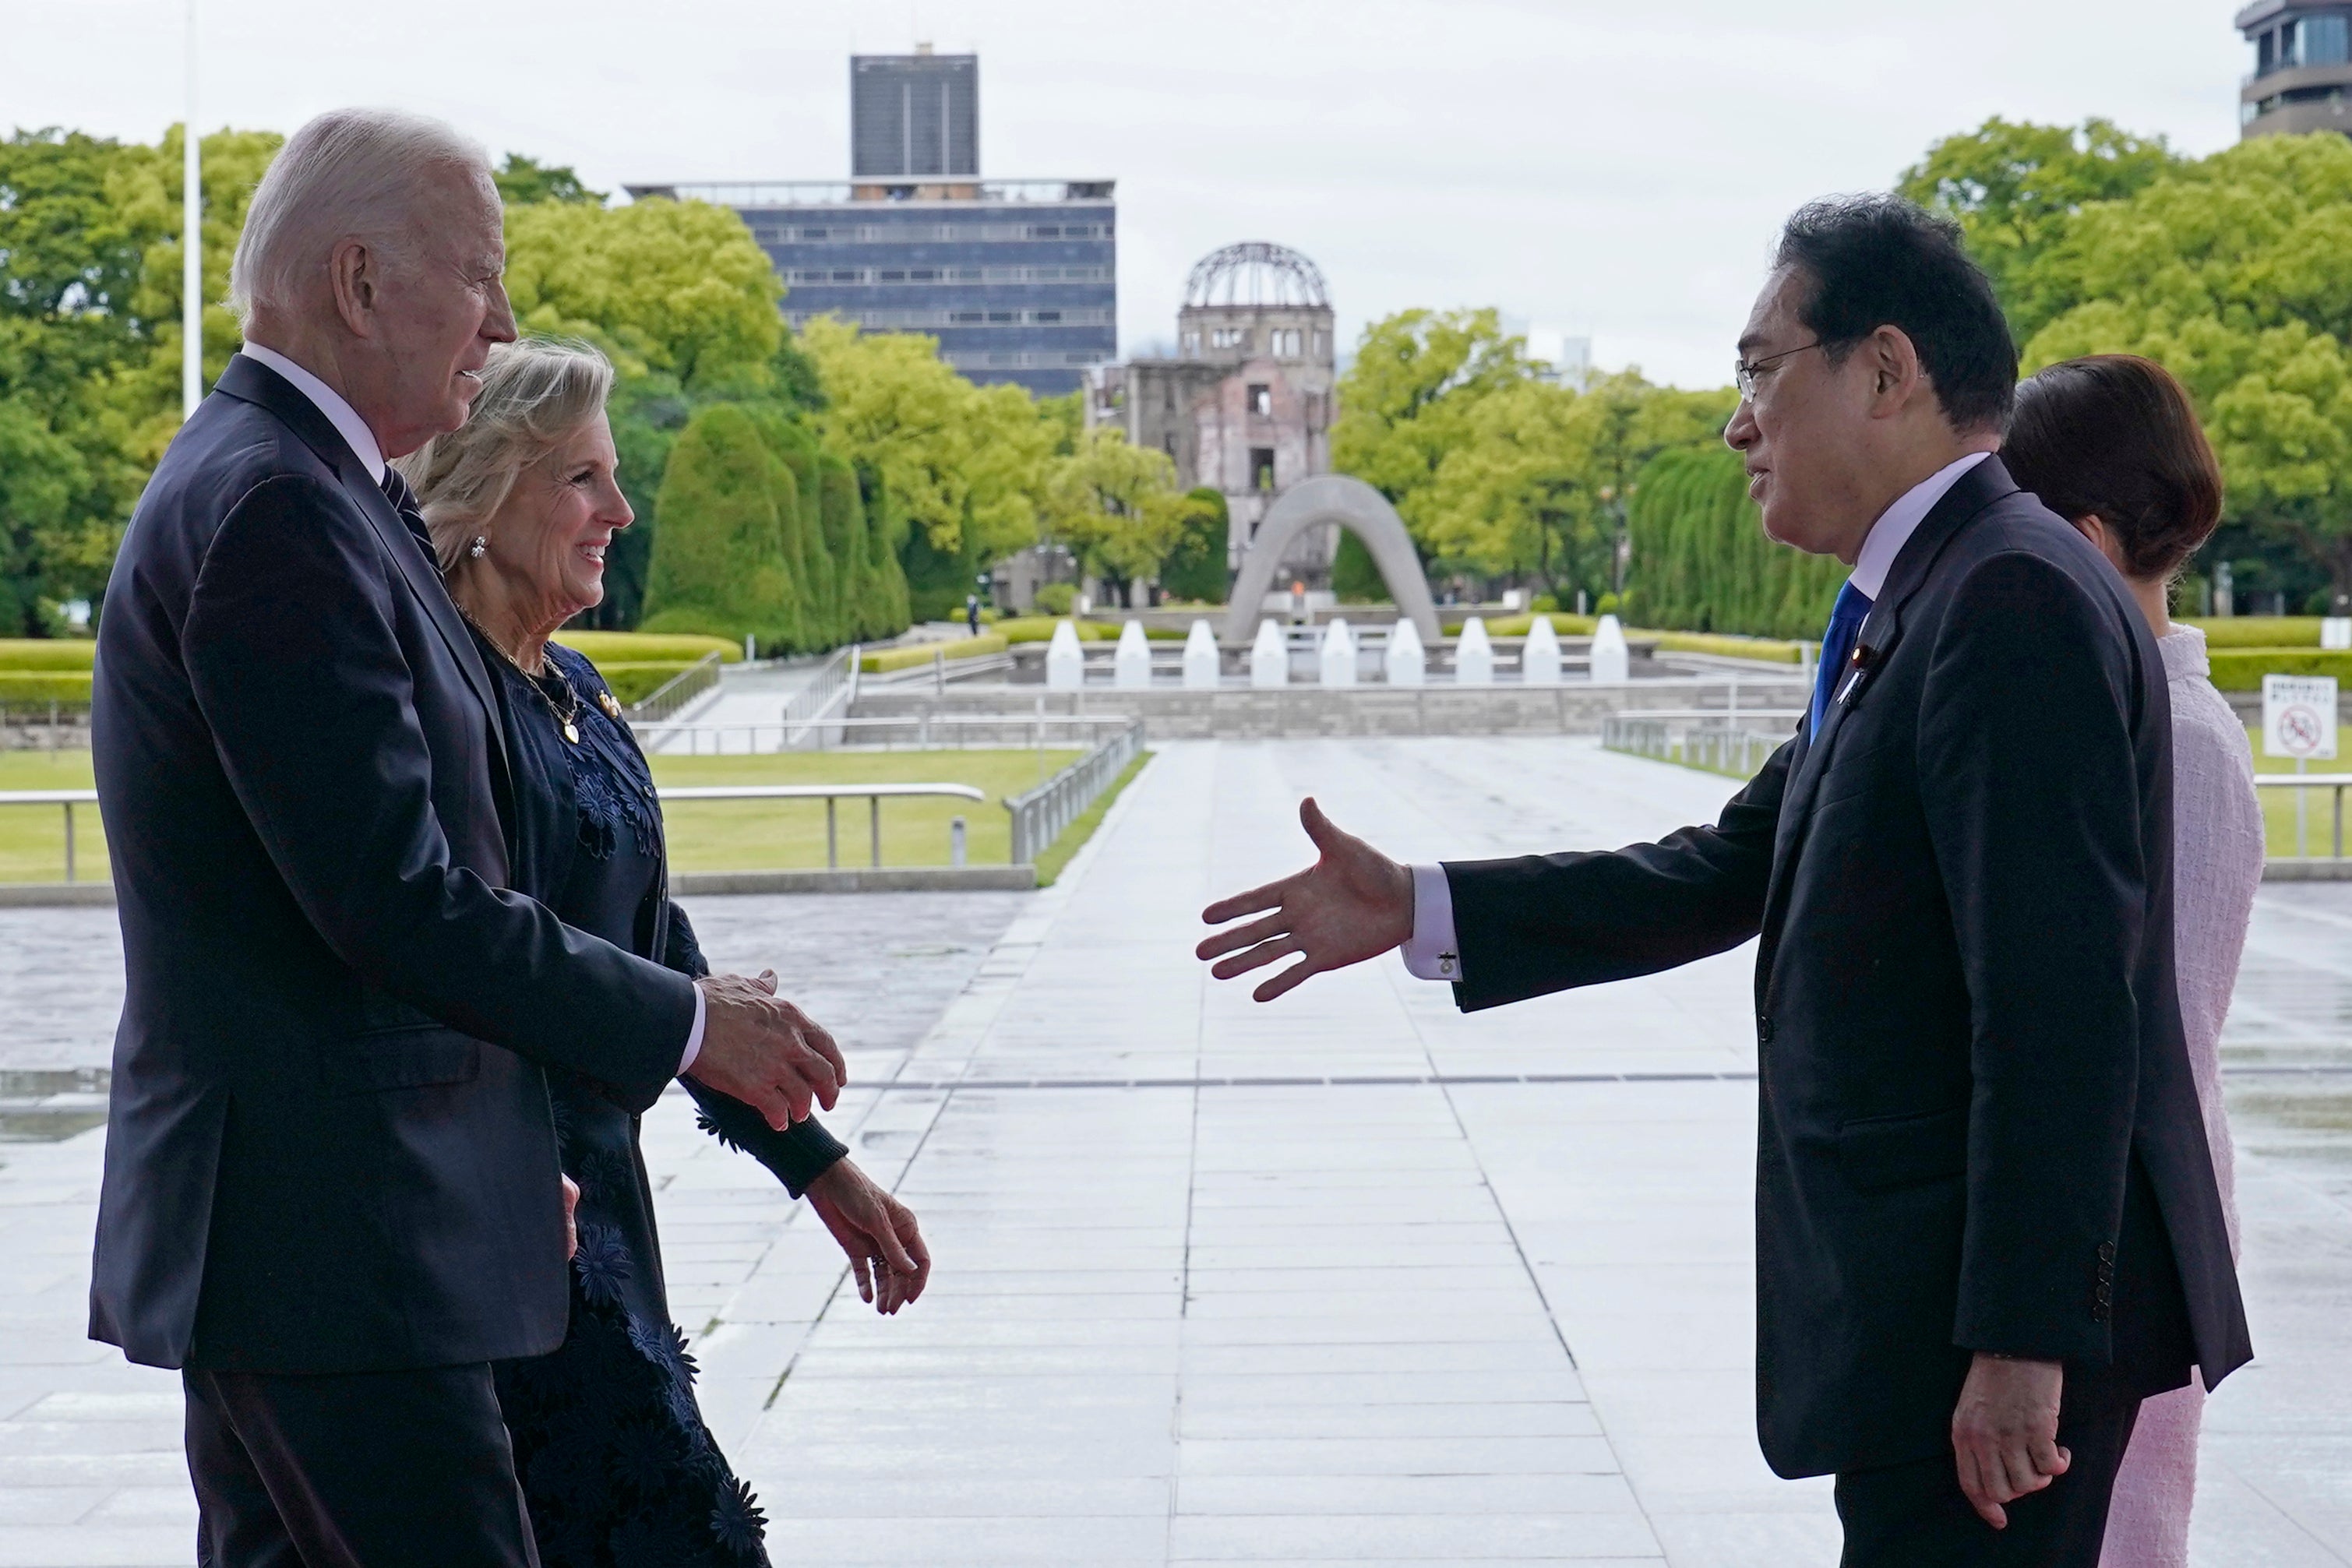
column 1252, row 274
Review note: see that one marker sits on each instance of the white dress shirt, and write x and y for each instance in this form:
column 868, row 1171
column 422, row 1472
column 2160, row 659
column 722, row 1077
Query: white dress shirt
column 363, row 442
column 1432, row 953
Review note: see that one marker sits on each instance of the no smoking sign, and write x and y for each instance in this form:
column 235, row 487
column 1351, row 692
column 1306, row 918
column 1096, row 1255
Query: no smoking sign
column 2299, row 716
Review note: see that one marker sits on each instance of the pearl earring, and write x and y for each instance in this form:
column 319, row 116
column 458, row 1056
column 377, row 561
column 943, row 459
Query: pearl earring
column 480, row 548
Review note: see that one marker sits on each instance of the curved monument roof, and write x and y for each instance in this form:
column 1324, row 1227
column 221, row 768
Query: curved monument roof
column 1255, row 272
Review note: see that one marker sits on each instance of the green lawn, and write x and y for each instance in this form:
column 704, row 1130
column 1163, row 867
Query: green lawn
column 705, row 835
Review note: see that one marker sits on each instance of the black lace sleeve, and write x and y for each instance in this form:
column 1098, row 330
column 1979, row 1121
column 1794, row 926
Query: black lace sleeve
column 682, row 952
column 798, row 1155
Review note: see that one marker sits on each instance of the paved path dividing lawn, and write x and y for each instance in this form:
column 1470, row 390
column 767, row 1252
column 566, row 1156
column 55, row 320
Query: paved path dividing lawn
column 1352, row 1278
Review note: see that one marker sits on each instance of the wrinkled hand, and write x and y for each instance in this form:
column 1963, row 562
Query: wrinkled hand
column 878, row 1232
column 2005, row 1433
column 571, row 1218
column 1352, row 904
column 764, row 1051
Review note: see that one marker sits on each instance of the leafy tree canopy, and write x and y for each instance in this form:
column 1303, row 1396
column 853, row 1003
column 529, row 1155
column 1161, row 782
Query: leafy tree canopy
column 522, row 180
column 1116, row 506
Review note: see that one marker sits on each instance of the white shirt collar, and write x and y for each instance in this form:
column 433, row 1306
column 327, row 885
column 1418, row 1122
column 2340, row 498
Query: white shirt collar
column 340, row 414
column 1899, row 522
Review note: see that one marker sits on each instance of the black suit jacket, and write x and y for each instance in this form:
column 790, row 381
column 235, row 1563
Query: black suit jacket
column 319, row 1157
column 1977, row 1129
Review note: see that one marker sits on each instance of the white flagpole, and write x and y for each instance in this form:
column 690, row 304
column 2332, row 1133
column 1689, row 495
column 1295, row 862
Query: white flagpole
column 192, row 246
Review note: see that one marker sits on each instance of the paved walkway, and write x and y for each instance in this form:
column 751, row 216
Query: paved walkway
column 1351, row 1278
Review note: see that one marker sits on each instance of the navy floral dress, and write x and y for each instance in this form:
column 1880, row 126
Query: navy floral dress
column 614, row 1460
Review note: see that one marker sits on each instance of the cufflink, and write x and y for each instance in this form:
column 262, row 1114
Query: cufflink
column 1447, row 964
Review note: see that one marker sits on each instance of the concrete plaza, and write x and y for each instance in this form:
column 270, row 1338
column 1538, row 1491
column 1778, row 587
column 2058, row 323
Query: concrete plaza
column 1349, row 1278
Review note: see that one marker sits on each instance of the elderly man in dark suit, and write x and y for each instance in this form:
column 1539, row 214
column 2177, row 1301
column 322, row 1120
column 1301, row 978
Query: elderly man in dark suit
column 332, row 1193
column 1986, row 1223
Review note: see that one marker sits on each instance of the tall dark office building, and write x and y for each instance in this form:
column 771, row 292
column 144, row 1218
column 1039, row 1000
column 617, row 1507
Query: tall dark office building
column 913, row 115
column 2302, row 72
column 1018, row 279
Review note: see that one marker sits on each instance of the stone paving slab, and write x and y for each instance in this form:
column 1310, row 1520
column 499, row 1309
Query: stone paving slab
column 1495, row 1308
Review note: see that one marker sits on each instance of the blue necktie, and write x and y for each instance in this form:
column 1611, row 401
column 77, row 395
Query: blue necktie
column 1845, row 624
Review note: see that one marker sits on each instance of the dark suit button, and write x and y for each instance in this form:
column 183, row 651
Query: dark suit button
column 2106, row 1294
column 2107, row 1251
column 2100, row 1314
column 1763, row 1029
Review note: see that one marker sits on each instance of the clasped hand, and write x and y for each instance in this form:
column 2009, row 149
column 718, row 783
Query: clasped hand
column 1352, row 904
column 766, row 1051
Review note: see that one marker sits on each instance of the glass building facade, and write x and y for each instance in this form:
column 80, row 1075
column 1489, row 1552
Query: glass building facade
column 2301, row 78
column 914, row 115
column 1017, row 279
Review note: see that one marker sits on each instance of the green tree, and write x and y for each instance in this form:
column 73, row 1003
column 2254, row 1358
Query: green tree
column 1195, row 568
column 1116, row 507
column 718, row 564
column 2016, row 188
column 522, row 180
column 1702, row 561
column 2235, row 273
column 1405, row 401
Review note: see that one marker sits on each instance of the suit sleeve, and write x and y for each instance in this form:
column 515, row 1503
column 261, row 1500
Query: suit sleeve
column 2030, row 783
column 293, row 656
column 797, row 1155
column 1538, row 924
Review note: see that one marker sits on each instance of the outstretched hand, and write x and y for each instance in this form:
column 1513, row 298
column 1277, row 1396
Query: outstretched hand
column 1352, row 904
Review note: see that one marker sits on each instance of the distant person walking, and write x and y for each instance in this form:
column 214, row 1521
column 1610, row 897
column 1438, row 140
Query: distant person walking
column 2111, row 444
column 971, row 612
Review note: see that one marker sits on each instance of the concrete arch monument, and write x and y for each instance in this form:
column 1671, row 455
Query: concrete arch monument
column 1354, row 505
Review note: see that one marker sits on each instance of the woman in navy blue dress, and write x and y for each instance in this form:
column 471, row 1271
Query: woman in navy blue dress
column 615, row 1462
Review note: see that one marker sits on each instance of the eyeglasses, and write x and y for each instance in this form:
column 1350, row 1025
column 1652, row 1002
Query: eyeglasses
column 1743, row 374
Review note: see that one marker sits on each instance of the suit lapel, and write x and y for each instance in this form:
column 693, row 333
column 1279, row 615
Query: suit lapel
column 251, row 381
column 1977, row 488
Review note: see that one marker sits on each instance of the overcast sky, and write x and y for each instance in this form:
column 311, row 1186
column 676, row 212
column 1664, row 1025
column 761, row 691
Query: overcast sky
column 1609, row 169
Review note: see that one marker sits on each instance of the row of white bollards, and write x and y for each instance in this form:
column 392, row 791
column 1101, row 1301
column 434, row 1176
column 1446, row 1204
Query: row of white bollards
column 1404, row 663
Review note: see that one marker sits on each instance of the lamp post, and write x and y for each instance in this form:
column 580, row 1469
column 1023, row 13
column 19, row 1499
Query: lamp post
column 192, row 245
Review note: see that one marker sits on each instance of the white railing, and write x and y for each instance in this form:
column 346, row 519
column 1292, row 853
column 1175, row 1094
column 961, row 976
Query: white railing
column 920, row 732
column 1039, row 815
column 831, row 690
column 2338, row 782
column 679, row 690
column 68, row 799
column 1717, row 748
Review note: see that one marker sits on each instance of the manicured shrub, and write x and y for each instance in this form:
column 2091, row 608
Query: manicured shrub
column 1701, row 561
column 2242, row 669
column 642, row 647
column 718, row 565
column 882, row 661
column 61, row 654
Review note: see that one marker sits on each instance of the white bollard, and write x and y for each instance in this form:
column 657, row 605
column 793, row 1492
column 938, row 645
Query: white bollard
column 2335, row 632
column 1269, row 657
column 958, row 854
column 1540, row 660
column 1065, row 661
column 1130, row 667
column 1338, row 655
column 1407, row 661
column 1611, row 662
column 1200, row 667
column 1474, row 655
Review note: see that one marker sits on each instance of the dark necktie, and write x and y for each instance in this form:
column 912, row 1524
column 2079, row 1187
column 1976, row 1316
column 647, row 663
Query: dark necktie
column 1852, row 609
column 404, row 501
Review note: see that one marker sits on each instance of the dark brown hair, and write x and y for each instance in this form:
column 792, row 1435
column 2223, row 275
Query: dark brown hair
column 2116, row 436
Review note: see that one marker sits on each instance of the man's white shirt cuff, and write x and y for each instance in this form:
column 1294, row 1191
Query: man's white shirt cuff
column 1430, row 953
column 694, row 1035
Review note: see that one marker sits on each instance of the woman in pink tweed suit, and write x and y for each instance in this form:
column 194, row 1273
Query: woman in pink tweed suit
column 2112, row 443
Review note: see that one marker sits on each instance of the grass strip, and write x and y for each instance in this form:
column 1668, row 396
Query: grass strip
column 1074, row 837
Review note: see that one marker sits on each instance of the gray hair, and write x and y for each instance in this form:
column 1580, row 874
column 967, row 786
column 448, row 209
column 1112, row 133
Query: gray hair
column 350, row 172
column 536, row 395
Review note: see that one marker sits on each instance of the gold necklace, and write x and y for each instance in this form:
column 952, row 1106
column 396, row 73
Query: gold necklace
column 568, row 721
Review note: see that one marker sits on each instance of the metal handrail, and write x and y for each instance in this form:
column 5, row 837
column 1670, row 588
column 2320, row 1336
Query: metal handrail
column 2339, row 782
column 921, row 726
column 872, row 794
column 834, row 685
column 1039, row 815
column 679, row 690
column 1719, row 750
column 68, row 799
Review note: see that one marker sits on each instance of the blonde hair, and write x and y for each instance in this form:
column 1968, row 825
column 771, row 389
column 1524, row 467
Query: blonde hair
column 349, row 171
column 536, row 395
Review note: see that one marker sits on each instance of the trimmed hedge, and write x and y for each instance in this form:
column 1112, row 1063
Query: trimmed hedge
column 2242, row 669
column 1040, row 629
column 648, row 647
column 1772, row 649
column 633, row 681
column 883, row 661
column 720, row 566
column 2257, row 631
column 38, row 688
column 1520, row 625
column 63, row 653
